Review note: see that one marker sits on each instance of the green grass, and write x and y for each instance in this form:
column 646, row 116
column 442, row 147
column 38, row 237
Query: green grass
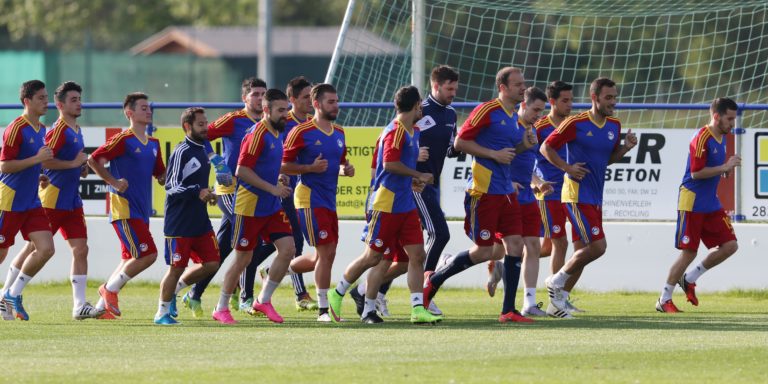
column 621, row 339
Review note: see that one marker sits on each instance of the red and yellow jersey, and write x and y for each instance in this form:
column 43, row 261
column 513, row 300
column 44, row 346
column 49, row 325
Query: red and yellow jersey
column 18, row 190
column 700, row 195
column 262, row 151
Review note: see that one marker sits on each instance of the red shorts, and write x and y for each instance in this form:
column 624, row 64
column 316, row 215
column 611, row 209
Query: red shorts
column 491, row 214
column 713, row 228
column 71, row 223
column 248, row 230
column 201, row 249
column 586, row 222
column 553, row 214
column 135, row 239
column 396, row 254
column 319, row 225
column 388, row 230
column 29, row 221
column 531, row 219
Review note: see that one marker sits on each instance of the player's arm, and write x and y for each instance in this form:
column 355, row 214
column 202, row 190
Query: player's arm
column 55, row 140
column 529, row 141
column 699, row 169
column 175, row 184
column 294, row 143
column 465, row 141
column 159, row 170
column 345, row 167
column 540, row 185
column 619, row 151
column 103, row 155
column 452, row 151
column 555, row 141
column 392, row 148
column 12, row 141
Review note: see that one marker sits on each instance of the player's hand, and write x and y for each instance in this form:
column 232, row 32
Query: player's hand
column 426, row 178
column 161, row 179
column 284, row 179
column 347, row 170
column 576, row 171
column 516, row 187
column 44, row 181
column 531, row 138
column 320, row 165
column 281, row 191
column 630, row 140
column 423, row 154
column 80, row 159
column 44, row 154
column 733, row 162
column 417, row 186
column 207, row 196
column 84, row 171
column 504, row 156
column 120, row 185
column 545, row 188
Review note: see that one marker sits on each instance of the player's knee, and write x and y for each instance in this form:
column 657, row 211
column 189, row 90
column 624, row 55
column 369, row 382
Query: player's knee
column 730, row 247
column 80, row 252
column 149, row 259
column 45, row 251
column 598, row 248
column 371, row 259
column 211, row 267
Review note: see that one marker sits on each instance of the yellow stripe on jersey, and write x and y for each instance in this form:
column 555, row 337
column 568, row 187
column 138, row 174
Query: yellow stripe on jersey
column 49, row 196
column 7, row 194
column 570, row 191
column 543, row 122
column 399, row 132
column 119, row 207
column 702, row 142
column 484, row 111
column 58, row 130
column 568, row 120
column 302, row 196
column 258, row 136
column 383, row 200
column 245, row 202
column 481, row 179
column 227, row 117
column 14, row 128
column 297, row 131
column 686, row 199
column 117, row 138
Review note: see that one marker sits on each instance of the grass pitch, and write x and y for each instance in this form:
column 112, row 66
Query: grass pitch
column 621, row 339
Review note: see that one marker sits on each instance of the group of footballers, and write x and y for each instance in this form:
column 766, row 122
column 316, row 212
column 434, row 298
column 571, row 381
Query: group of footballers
column 276, row 187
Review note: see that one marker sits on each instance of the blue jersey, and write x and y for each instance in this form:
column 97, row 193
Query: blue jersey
column 522, row 172
column 437, row 132
column 305, row 142
column 292, row 121
column 392, row 193
column 136, row 161
column 262, row 151
column 188, row 169
column 231, row 128
column 544, row 169
column 589, row 143
column 63, row 191
column 18, row 190
column 700, row 195
column 493, row 127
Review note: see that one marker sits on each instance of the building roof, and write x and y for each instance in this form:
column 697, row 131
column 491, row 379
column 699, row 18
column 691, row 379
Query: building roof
column 241, row 41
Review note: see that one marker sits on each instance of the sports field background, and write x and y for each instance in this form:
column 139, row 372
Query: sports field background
column 621, row 339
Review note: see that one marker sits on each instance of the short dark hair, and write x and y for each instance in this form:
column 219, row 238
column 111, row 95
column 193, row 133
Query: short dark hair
column 61, row 91
column 406, row 98
column 319, row 90
column 722, row 104
column 132, row 98
column 532, row 94
column 251, row 83
column 272, row 95
column 296, row 85
column 503, row 76
column 29, row 88
column 188, row 116
column 554, row 88
column 601, row 82
column 443, row 73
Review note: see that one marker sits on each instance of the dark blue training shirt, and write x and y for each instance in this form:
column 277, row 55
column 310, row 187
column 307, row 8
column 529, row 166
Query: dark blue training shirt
column 438, row 130
column 188, row 169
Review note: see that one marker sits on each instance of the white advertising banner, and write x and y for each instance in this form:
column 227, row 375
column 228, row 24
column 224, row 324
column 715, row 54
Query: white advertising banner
column 643, row 186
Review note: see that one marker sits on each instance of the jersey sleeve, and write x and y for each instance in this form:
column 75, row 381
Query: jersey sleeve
column 12, row 138
column 55, row 139
column 562, row 135
column 698, row 153
column 251, row 148
column 174, row 180
column 294, row 143
column 159, row 166
column 223, row 126
column 618, row 134
column 477, row 120
column 113, row 148
column 393, row 145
